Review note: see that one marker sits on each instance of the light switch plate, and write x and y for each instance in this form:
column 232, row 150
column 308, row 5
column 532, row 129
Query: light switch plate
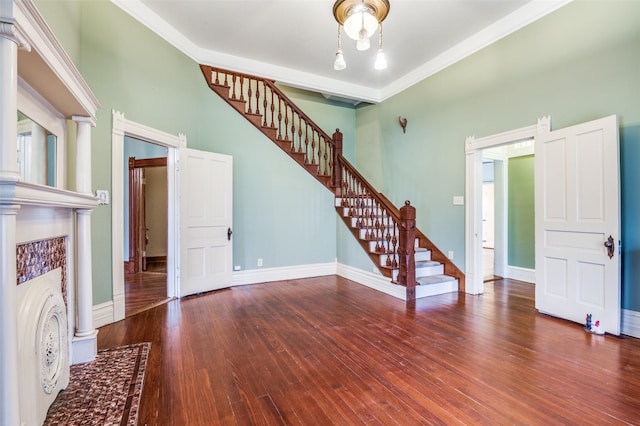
column 458, row 200
column 103, row 196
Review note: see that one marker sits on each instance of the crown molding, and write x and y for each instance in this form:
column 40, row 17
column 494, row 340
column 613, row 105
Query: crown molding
column 520, row 18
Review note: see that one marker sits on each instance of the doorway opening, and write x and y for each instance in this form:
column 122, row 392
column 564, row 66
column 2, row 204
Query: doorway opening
column 508, row 213
column 171, row 144
column 146, row 217
column 487, row 216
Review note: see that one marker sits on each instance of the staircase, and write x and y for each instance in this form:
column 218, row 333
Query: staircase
column 387, row 234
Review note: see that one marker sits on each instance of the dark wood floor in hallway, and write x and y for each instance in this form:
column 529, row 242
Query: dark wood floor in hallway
column 324, row 351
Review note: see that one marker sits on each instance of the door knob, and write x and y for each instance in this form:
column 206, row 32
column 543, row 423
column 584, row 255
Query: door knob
column 229, row 232
column 610, row 245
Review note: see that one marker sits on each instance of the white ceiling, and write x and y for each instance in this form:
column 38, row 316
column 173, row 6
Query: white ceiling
column 294, row 41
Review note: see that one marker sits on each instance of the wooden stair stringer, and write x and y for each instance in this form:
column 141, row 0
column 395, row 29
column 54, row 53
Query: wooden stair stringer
column 271, row 133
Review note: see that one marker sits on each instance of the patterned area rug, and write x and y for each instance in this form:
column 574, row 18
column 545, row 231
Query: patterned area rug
column 105, row 391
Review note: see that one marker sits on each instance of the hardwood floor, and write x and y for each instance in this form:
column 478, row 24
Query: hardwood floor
column 144, row 290
column 325, row 350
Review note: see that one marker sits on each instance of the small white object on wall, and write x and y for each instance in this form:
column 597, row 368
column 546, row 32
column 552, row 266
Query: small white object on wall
column 103, row 195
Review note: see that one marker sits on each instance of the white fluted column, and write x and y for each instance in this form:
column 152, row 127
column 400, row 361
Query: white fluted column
column 84, row 340
column 9, row 174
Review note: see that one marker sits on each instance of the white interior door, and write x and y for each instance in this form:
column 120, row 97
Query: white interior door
column 206, row 220
column 577, row 209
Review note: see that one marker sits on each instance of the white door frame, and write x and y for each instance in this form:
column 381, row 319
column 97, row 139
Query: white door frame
column 122, row 127
column 473, row 189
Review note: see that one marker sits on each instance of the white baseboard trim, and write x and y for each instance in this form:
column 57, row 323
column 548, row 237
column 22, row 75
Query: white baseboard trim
column 521, row 274
column 371, row 280
column 103, row 314
column 631, row 323
column 264, row 275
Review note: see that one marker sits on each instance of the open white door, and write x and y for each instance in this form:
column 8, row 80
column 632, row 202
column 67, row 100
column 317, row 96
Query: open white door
column 577, row 209
column 206, row 221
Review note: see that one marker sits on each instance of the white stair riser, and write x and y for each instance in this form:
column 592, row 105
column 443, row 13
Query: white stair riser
column 424, row 271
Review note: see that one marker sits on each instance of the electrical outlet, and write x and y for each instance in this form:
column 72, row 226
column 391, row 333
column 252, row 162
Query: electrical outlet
column 450, row 255
column 237, row 268
column 259, row 261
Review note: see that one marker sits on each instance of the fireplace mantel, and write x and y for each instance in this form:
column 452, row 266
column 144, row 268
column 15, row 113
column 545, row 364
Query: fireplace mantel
column 39, row 80
column 31, row 194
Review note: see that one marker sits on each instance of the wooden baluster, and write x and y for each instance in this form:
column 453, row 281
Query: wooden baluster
column 379, row 235
column 258, row 97
column 293, row 131
column 371, row 220
column 249, row 98
column 241, row 88
column 306, row 139
column 406, row 250
column 337, row 152
column 345, row 188
column 313, row 150
column 265, row 103
column 388, row 238
column 280, row 118
column 352, row 193
column 272, row 107
column 217, row 74
column 306, row 144
column 388, row 231
column 286, row 122
column 394, row 241
column 237, row 80
column 325, row 155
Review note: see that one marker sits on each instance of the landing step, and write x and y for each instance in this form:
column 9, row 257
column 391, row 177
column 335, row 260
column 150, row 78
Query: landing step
column 434, row 279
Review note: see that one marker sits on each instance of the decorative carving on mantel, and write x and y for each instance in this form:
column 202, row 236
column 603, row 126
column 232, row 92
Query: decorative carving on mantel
column 52, row 336
column 9, row 30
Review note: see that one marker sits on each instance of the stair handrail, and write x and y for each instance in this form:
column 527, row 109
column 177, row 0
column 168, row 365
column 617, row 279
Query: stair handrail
column 336, row 165
column 393, row 210
column 294, row 107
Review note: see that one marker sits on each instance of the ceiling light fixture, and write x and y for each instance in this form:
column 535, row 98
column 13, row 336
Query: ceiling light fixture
column 360, row 19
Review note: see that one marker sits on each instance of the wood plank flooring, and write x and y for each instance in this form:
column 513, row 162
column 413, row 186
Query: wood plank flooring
column 144, row 290
column 325, row 350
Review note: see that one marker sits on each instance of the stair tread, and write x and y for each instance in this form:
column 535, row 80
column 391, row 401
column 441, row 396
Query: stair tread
column 434, row 279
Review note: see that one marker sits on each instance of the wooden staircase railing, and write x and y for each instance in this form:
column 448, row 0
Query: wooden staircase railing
column 389, row 232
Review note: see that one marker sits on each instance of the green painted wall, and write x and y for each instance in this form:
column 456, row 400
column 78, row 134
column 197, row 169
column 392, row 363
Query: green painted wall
column 580, row 63
column 521, row 212
column 281, row 214
column 630, row 179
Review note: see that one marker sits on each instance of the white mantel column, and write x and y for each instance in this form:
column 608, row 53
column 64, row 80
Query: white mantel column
column 84, row 340
column 9, row 174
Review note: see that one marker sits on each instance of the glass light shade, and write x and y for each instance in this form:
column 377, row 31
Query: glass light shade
column 381, row 61
column 363, row 42
column 339, row 63
column 354, row 23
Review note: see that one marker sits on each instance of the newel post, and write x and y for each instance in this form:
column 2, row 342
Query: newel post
column 406, row 250
column 337, row 166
